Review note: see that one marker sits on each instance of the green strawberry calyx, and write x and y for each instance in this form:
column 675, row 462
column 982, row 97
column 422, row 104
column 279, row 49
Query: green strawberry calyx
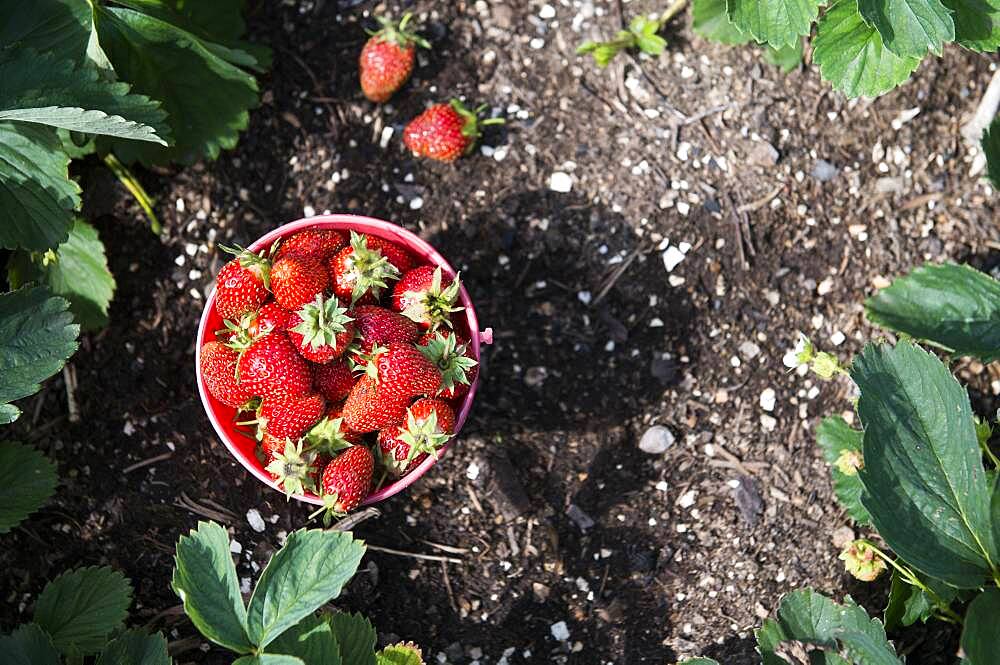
column 450, row 359
column 433, row 305
column 291, row 468
column 322, row 320
column 327, row 436
column 369, row 270
column 472, row 123
column 259, row 263
column 422, row 436
column 398, row 33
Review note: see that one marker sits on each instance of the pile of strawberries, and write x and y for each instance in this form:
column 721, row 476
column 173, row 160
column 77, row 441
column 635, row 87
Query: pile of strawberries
column 444, row 132
column 339, row 354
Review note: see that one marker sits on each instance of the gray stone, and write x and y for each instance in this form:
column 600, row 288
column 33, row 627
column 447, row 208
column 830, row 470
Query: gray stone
column 657, row 440
column 824, row 171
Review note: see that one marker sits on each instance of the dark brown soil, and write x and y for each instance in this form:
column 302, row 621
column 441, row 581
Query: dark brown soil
column 685, row 552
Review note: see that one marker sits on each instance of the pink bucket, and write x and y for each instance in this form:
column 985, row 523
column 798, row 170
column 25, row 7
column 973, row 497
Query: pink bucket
column 223, row 417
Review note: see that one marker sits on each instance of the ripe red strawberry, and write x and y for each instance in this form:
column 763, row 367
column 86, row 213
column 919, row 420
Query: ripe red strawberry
column 241, row 334
column 378, row 326
column 337, row 412
column 387, row 59
column 429, row 424
column 272, row 368
column 361, row 270
column 401, row 369
column 371, row 407
column 316, row 243
column 453, row 358
column 242, row 285
column 218, row 369
column 347, row 479
column 290, row 416
column 445, row 132
column 425, row 296
column 333, row 380
column 396, row 255
column 295, row 280
column 321, row 330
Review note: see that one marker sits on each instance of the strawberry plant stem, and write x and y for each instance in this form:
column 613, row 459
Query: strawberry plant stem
column 671, row 11
column 910, row 578
column 128, row 179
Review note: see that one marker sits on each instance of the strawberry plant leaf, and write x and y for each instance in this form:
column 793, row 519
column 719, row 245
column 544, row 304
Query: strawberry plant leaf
column 709, row 19
column 406, row 654
column 309, row 571
column 851, row 56
column 80, row 608
column 835, row 438
column 37, row 88
column 910, row 28
column 205, row 579
column 28, row 645
column 982, row 625
column 810, row 618
column 952, row 306
column 991, row 146
column 356, row 636
column 63, row 29
column 135, row 647
column 36, row 195
column 925, row 485
column 37, row 335
column 775, row 22
column 77, row 271
column 205, row 96
column 977, row 23
column 909, row 604
column 219, row 24
column 269, row 659
column 27, row 480
column 311, row 639
column 788, row 58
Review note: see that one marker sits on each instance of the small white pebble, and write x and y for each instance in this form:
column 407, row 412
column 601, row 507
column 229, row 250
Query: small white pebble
column 255, row 520
column 560, row 631
column 547, row 12
column 584, row 297
column 767, row 399
column 472, row 472
column 308, row 211
column 560, row 181
column 687, row 499
column 672, row 257
column 235, row 547
column 537, row 43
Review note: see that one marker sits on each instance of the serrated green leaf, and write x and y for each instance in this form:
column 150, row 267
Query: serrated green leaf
column 813, row 619
column 80, row 608
column 977, row 23
column 219, row 24
column 28, row 645
column 787, row 58
column 710, row 20
column 269, row 659
column 37, row 198
column 356, row 637
column 27, row 480
column 834, row 436
column 206, row 97
column 775, row 22
column 205, row 579
column 135, row 647
column 63, row 29
column 37, row 335
column 851, row 56
column 909, row 604
column 309, row 571
column 910, row 28
column 40, row 89
column 311, row 639
column 952, row 306
column 75, row 144
column 78, row 272
column 410, row 654
column 982, row 626
column 925, row 485
column 991, row 147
